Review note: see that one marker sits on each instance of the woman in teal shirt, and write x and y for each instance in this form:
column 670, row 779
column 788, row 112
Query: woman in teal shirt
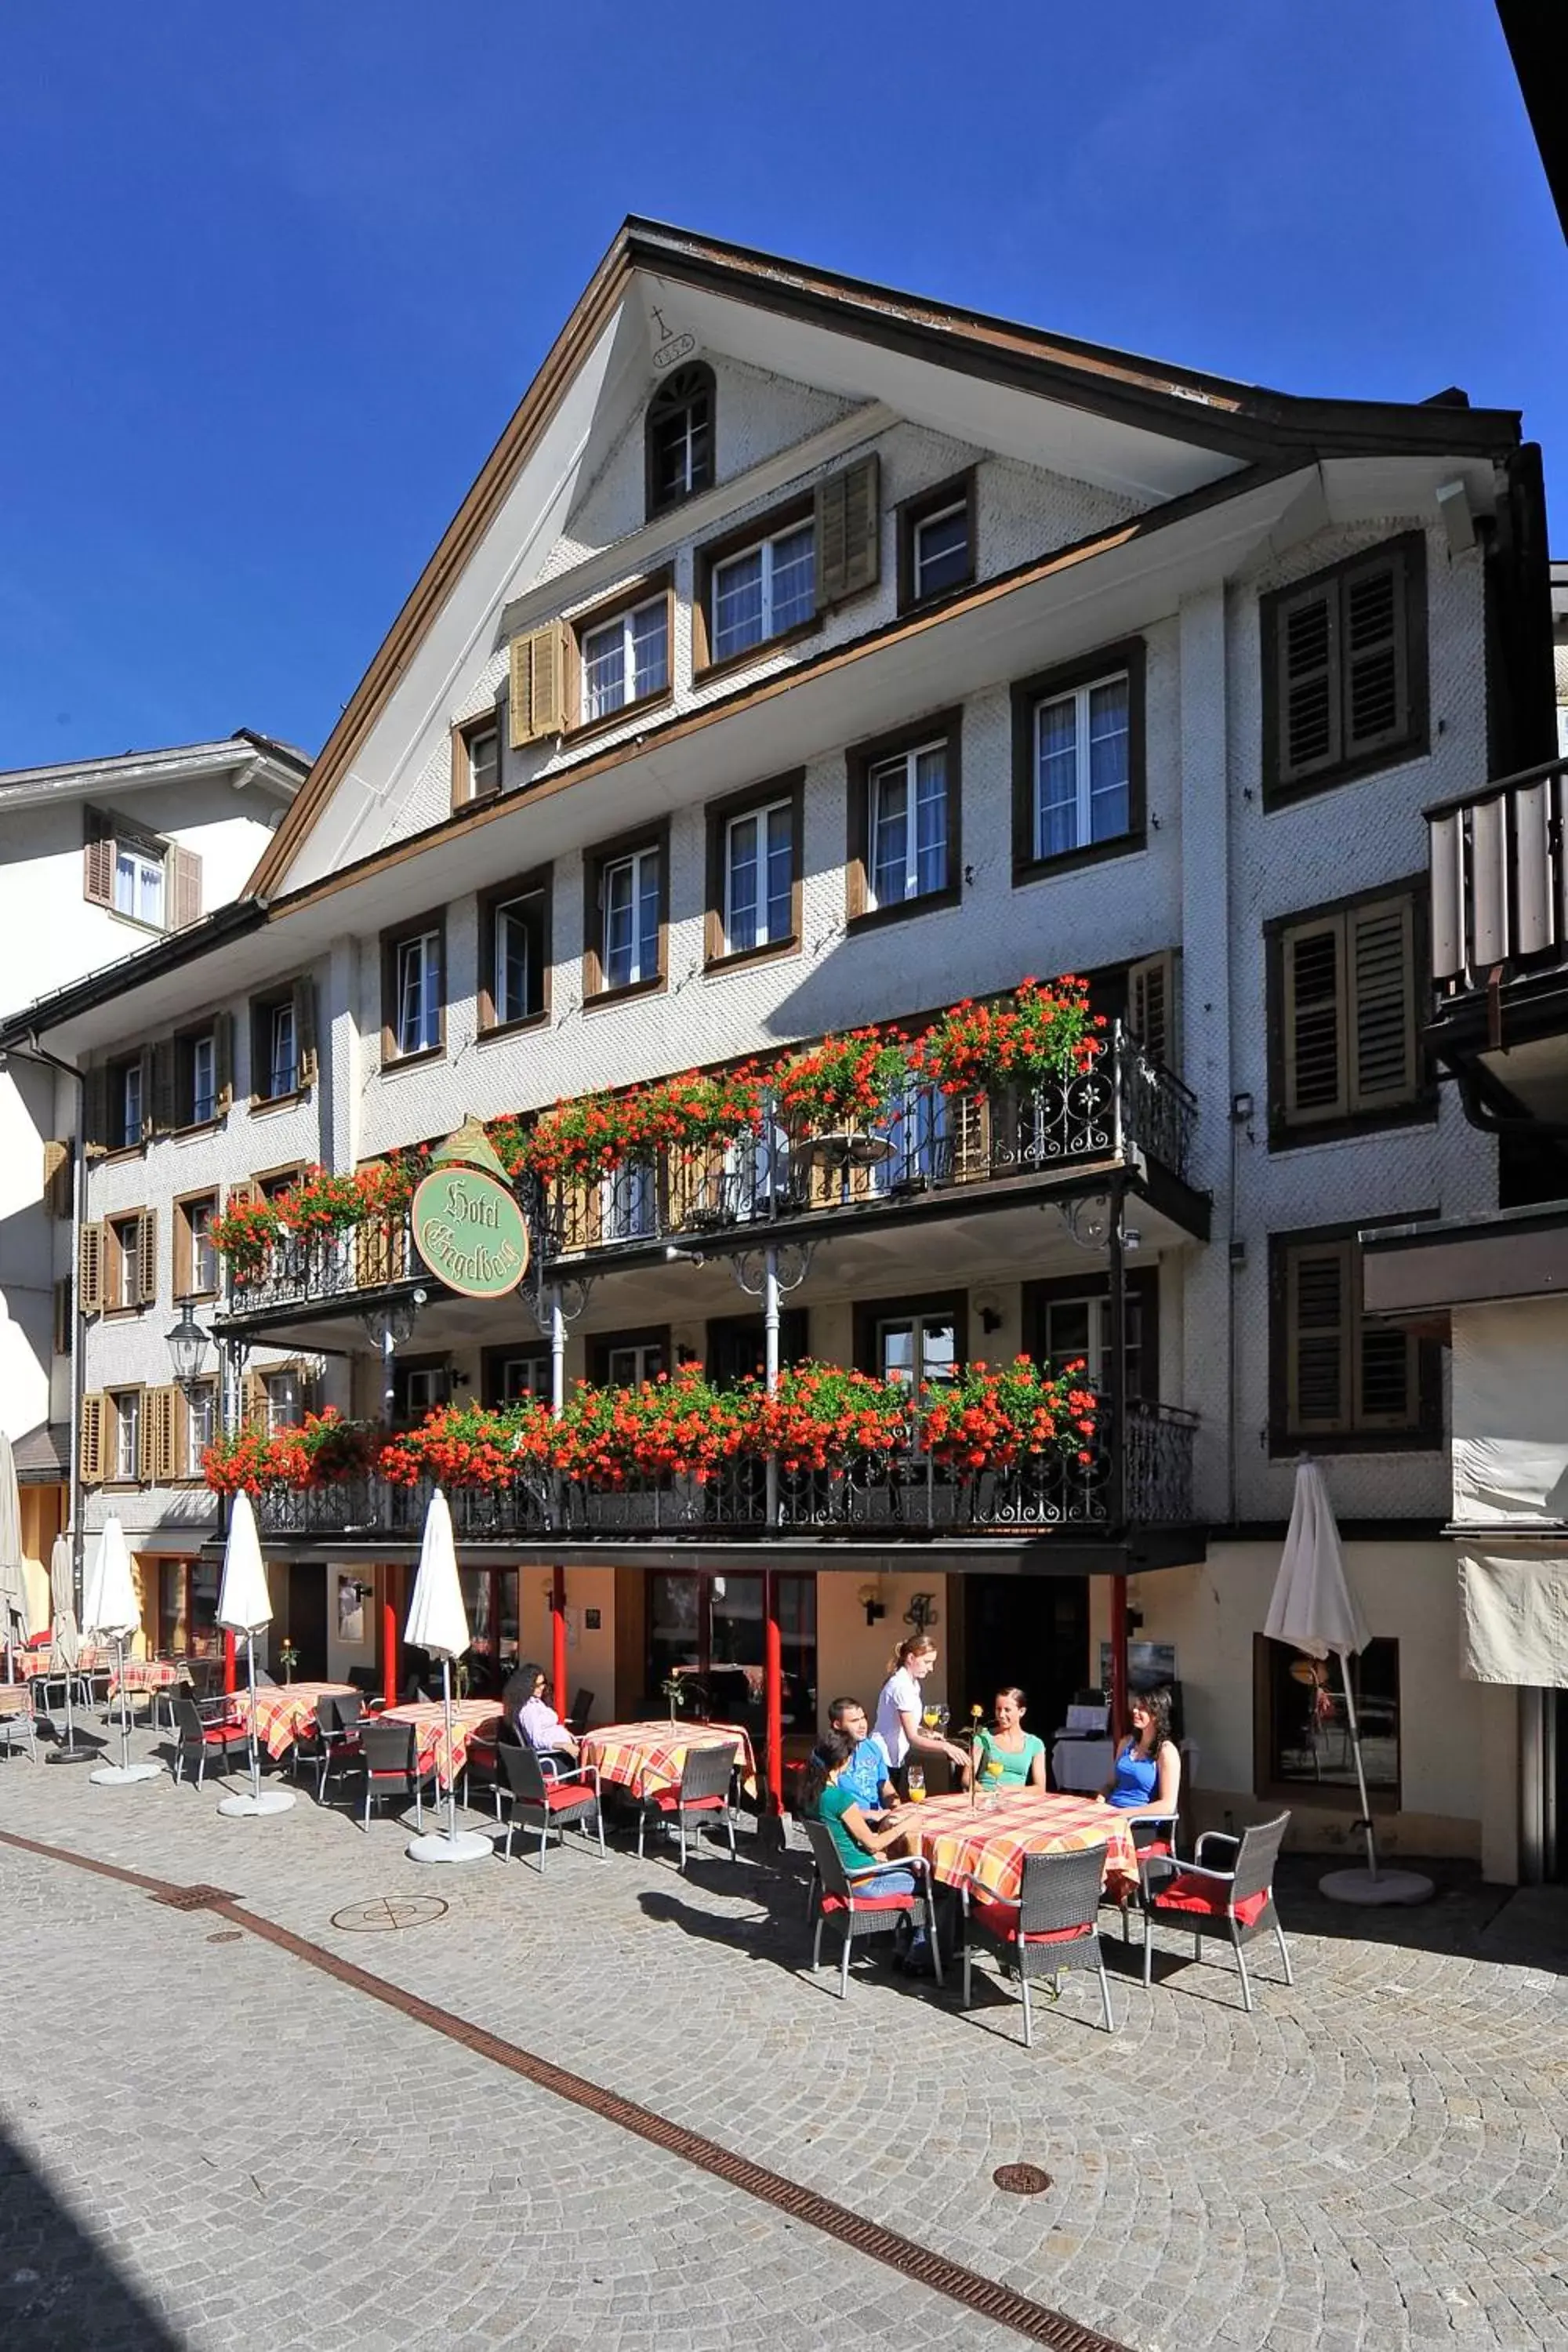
column 1022, row 1756
column 860, row 1847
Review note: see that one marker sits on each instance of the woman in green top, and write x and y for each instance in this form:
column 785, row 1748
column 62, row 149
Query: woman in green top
column 1022, row 1756
column 859, row 1844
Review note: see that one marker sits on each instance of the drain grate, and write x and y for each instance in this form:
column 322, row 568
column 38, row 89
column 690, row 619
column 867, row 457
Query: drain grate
column 195, row 1899
column 388, row 1912
column 228, row 1936
column 1022, row 2180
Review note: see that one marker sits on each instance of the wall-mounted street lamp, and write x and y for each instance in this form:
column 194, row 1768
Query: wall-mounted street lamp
column 187, row 1345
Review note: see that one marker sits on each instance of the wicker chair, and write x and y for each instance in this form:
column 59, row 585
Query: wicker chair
column 1053, row 1926
column 1152, row 1833
column 338, row 1725
column 196, row 1739
column 857, row 1906
column 1207, row 1900
column 17, row 1719
column 703, row 1793
column 390, row 1754
column 547, row 1800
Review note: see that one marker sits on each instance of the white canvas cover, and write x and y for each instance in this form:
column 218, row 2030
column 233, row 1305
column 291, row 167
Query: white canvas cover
column 437, row 1621
column 1511, row 1412
column 111, row 1611
column 66, row 1644
column 1515, row 1612
column 244, row 1603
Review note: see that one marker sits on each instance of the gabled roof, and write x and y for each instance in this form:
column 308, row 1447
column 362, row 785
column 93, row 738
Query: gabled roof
column 274, row 768
column 1223, row 426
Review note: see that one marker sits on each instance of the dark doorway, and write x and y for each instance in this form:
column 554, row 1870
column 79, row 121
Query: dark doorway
column 1028, row 1630
column 308, row 1619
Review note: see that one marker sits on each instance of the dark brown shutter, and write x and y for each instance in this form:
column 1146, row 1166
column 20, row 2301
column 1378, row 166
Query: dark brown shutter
column 848, row 532
column 1385, row 1377
column 304, row 1031
column 223, row 1062
column 1374, row 652
column 90, row 1268
column 184, row 884
column 1307, row 655
column 90, row 1439
column 1315, row 1022
column 1318, row 1337
column 1380, row 953
column 63, row 1317
column 148, row 1092
column 167, row 1058
column 95, row 1109
column 98, row 861
column 146, row 1268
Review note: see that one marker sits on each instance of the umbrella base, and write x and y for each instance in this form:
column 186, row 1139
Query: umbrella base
column 1389, row 1887
column 270, row 1800
column 467, row 1845
column 115, row 1776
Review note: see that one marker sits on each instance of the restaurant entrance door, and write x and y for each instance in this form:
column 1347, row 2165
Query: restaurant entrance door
column 307, row 1621
column 707, row 1631
column 1028, row 1630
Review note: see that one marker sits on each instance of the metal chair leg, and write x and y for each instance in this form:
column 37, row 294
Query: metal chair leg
column 1148, row 1952
column 729, row 1825
column 543, row 1840
column 599, row 1825
column 1241, row 1964
column 1105, row 1996
column 843, row 1966
column 642, row 1824
column 1284, row 1954
column 1028, row 2011
column 816, row 1944
column 931, row 1935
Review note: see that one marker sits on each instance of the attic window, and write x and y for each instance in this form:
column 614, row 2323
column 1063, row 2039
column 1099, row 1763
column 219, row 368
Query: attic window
column 680, row 437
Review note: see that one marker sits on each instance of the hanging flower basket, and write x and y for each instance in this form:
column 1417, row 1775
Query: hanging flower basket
column 992, row 1419
column 844, row 1085
column 1046, row 1031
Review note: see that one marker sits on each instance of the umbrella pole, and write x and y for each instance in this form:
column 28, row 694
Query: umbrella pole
column 124, row 1699
column 1360, row 1769
column 250, row 1684
column 451, row 1767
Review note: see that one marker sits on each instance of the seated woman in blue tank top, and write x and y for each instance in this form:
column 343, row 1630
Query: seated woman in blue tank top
column 1148, row 1775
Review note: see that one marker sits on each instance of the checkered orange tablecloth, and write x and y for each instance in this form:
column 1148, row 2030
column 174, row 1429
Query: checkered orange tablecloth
column 472, row 1718
column 647, row 1756
column 31, row 1663
column 282, row 1715
column 988, row 1843
column 144, row 1675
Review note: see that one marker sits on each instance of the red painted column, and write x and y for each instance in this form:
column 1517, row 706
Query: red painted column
column 1118, row 1657
column 772, row 1691
column 390, row 1647
column 561, row 1695
column 230, row 1668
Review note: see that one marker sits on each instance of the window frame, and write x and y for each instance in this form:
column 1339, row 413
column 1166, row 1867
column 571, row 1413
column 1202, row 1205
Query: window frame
column 263, row 1011
column 466, row 732
column 912, row 515
column 793, row 514
column 398, row 936
column 654, row 588
column 596, row 864
column 209, row 1389
column 1324, row 1796
column 786, row 791
column 493, row 1362
column 122, row 1264
column 1287, row 1438
column 861, row 761
column 1292, row 1132
column 707, row 389
column 115, row 1400
column 909, row 1306
column 1027, row 695
column 538, row 883
column 186, row 1284
column 188, row 1119
column 1408, row 548
column 142, row 848
column 1141, row 1284
column 645, row 1338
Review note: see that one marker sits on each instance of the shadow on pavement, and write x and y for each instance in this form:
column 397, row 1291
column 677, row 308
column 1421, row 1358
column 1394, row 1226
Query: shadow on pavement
column 58, row 2289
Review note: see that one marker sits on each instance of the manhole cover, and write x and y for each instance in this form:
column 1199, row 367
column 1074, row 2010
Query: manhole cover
column 228, row 1936
column 389, row 1911
column 195, row 1899
column 1022, row 2180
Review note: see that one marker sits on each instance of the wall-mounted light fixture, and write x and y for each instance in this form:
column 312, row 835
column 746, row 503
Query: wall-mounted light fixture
column 869, row 1596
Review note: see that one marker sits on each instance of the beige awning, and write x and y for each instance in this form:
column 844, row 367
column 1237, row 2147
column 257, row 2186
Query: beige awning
column 1515, row 1607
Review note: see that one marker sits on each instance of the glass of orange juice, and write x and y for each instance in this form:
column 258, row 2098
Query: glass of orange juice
column 915, row 1781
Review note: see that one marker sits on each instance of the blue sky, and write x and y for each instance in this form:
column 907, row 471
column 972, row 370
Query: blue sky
column 274, row 277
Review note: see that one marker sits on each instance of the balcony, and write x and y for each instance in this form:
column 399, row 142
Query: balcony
column 1126, row 1111
column 1500, row 882
column 915, row 1502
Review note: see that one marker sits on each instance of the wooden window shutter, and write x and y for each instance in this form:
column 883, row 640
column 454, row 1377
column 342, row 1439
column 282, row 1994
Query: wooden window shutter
column 165, row 1112
column 223, row 1062
column 1386, row 1382
column 1381, row 957
column 90, row 1268
column 98, row 861
column 146, row 1261
column 147, row 1438
column 58, row 1165
column 180, row 1435
column 182, row 882
column 160, row 1435
column 305, row 1029
column 90, row 1439
column 1307, row 652
column 1375, row 654
column 1151, row 1007
column 181, row 1266
column 848, row 520
column 95, row 1109
column 538, row 693
column 1315, row 1022
column 63, row 1317
column 149, row 1106
column 1319, row 1334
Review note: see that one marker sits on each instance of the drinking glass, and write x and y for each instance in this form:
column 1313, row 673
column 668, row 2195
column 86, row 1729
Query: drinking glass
column 991, row 1779
column 915, row 1781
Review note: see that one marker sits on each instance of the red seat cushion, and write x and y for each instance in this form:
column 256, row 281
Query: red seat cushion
column 667, row 1799
column 1187, row 1892
column 479, row 1754
column 1157, row 1845
column 1001, row 1919
column 871, row 1903
column 560, row 1798
column 224, row 1735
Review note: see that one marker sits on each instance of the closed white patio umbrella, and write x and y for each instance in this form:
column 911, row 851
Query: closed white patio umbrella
column 1314, row 1609
column 13, row 1578
column 65, row 1646
column 438, row 1623
column 244, row 1606
column 114, row 1614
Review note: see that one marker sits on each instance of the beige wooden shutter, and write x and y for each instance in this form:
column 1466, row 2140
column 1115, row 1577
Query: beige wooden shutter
column 90, row 1268
column 63, row 1315
column 182, row 882
column 1319, row 1333
column 538, row 693
column 180, row 1436
column 165, row 1112
column 95, row 1109
column 90, row 1439
column 58, row 1167
column 1381, row 955
column 305, row 1029
column 223, row 1062
column 1307, row 652
column 1315, row 1022
column 1152, row 1007
column 252, row 1401
column 848, row 520
column 98, row 861
column 1375, row 655
column 146, row 1270
column 159, row 1434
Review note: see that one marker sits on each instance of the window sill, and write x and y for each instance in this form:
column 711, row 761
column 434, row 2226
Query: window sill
column 872, row 918
column 731, row 663
column 1283, row 1139
column 412, row 1061
column 196, row 1296
column 197, row 1127
column 125, row 1313
column 588, row 731
column 743, row 959
column 1389, row 755
column 935, row 597
column 122, row 1485
column 107, row 1151
column 518, row 1028
column 1288, row 1448
column 1037, row 870
column 259, row 1104
column 630, row 988
column 137, row 923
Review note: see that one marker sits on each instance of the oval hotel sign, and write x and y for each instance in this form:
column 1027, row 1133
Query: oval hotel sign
column 470, row 1231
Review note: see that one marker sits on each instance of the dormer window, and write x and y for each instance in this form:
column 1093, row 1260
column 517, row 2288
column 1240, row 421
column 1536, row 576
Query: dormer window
column 680, row 437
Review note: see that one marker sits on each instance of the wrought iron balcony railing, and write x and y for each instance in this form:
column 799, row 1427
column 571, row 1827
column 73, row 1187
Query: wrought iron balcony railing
column 916, row 1500
column 1500, row 880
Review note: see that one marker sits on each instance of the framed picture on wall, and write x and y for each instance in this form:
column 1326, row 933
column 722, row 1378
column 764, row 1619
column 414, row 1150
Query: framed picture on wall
column 350, row 1610
column 1149, row 1663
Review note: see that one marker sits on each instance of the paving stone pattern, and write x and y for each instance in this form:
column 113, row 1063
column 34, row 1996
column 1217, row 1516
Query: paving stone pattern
column 207, row 2143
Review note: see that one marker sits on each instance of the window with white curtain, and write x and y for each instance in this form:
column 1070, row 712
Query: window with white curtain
column 763, row 590
column 907, row 829
column 625, row 659
column 416, row 986
column 759, row 877
column 139, row 882
column 629, row 903
column 1082, row 776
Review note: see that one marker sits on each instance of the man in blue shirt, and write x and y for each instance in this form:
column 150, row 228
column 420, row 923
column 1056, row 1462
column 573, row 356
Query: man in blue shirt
column 868, row 1774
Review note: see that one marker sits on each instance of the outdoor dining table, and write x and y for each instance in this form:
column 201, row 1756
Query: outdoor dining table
column 36, row 1666
column 282, row 1715
column 647, row 1757
column 146, row 1677
column 472, row 1718
column 988, row 1842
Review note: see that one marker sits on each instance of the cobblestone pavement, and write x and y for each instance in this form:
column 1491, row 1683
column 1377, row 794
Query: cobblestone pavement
column 205, row 2143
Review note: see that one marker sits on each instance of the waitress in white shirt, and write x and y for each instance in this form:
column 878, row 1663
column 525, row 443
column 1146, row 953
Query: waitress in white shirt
column 899, row 1725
